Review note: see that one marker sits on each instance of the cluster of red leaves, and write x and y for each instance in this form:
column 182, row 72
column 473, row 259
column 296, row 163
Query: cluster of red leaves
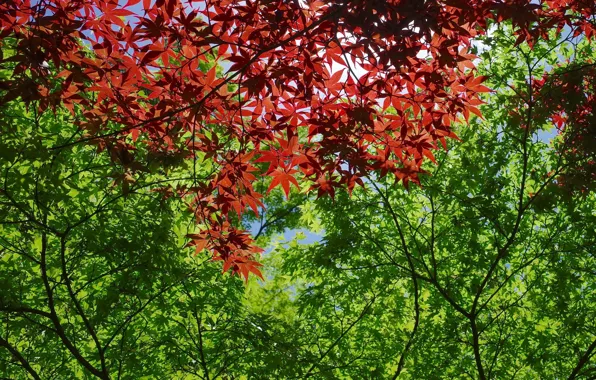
column 291, row 95
column 570, row 92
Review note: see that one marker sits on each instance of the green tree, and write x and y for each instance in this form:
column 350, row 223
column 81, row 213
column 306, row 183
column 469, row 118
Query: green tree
column 485, row 271
column 94, row 278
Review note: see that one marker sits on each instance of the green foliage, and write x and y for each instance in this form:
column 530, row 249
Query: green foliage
column 94, row 276
column 486, row 271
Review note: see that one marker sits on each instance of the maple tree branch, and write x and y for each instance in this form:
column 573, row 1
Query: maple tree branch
column 431, row 280
column 127, row 265
column 551, row 49
column 498, row 349
column 502, row 252
column 514, row 272
column 121, row 346
column 506, row 307
column 471, row 203
column 19, row 251
column 336, row 367
column 401, row 363
column 54, row 316
column 402, row 358
column 103, row 206
column 433, row 236
column 585, row 358
column 79, row 308
column 341, row 336
column 578, row 68
column 139, row 310
column 199, row 344
column 24, row 309
column 276, row 219
column 385, row 253
column 201, row 351
column 372, row 266
column 16, row 354
column 30, row 216
column 227, row 362
column 476, row 347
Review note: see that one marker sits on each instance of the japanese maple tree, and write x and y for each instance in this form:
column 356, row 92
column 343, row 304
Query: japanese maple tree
column 240, row 83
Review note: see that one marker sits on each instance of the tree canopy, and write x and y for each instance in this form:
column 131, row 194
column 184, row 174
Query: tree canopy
column 404, row 187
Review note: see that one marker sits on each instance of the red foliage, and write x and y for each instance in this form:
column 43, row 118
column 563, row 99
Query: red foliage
column 145, row 74
column 570, row 93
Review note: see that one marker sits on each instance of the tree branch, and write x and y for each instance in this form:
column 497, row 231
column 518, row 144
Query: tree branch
column 583, row 360
column 79, row 308
column 339, row 338
column 54, row 317
column 4, row 343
